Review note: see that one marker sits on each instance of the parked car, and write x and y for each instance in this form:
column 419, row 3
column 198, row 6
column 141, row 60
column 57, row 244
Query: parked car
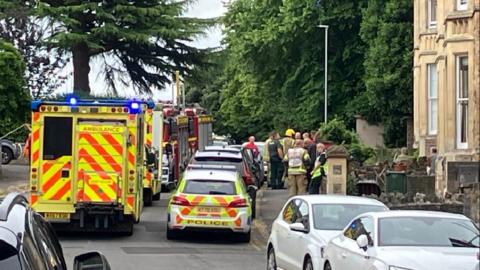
column 27, row 241
column 210, row 198
column 306, row 224
column 403, row 240
column 10, row 151
column 234, row 159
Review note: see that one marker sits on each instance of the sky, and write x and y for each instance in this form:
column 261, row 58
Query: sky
column 201, row 9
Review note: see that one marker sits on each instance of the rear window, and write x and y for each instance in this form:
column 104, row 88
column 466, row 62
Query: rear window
column 219, row 159
column 210, row 187
column 57, row 137
column 238, row 165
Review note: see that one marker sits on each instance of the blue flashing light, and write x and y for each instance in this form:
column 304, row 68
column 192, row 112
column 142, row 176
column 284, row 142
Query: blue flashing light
column 73, row 101
column 35, row 105
column 134, row 106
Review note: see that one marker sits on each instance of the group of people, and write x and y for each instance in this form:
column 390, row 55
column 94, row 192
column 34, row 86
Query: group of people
column 297, row 159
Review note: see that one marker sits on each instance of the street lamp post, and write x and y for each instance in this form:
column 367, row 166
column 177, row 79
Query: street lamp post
column 326, row 70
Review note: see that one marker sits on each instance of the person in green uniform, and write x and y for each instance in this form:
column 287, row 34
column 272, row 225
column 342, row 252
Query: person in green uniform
column 275, row 151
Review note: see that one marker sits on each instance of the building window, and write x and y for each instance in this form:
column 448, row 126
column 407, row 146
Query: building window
column 462, row 4
column 462, row 101
column 432, row 13
column 432, row 86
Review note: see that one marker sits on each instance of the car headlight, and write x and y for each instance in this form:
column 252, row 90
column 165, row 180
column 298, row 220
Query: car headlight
column 398, row 268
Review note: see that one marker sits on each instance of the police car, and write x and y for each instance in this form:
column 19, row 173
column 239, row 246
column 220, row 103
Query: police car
column 211, row 198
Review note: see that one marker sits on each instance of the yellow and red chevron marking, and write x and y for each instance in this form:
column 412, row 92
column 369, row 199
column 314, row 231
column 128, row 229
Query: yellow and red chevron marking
column 35, row 140
column 131, row 202
column 53, row 186
column 33, row 200
column 100, row 159
column 148, row 178
column 215, row 201
column 148, row 130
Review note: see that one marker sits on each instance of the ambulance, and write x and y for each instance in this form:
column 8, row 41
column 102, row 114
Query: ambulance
column 87, row 163
column 152, row 186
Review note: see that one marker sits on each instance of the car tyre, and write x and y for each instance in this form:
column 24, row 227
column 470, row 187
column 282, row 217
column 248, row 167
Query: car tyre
column 156, row 197
column 327, row 266
column 253, row 195
column 171, row 234
column 271, row 261
column 147, row 197
column 244, row 237
column 308, row 265
column 7, row 155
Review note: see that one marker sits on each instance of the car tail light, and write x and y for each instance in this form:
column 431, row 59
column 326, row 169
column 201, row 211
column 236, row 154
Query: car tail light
column 238, row 203
column 177, row 200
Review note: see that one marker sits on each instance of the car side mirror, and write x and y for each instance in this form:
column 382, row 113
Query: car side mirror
column 298, row 227
column 362, row 242
column 251, row 189
column 91, row 261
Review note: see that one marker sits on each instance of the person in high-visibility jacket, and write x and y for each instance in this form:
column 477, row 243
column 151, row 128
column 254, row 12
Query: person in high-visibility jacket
column 287, row 142
column 320, row 170
column 298, row 161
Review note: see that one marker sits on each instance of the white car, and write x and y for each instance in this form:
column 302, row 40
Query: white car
column 406, row 240
column 306, row 224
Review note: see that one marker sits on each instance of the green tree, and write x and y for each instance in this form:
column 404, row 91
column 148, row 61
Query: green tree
column 14, row 96
column 275, row 65
column 387, row 29
column 26, row 32
column 142, row 42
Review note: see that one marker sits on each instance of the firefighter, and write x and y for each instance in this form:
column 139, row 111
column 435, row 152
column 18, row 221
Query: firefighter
column 298, row 160
column 287, row 143
column 319, row 172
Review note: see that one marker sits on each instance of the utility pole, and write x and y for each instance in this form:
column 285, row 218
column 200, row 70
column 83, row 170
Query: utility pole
column 326, row 72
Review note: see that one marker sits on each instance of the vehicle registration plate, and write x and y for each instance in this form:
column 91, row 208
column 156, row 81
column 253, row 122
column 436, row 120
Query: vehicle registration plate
column 209, row 209
column 57, row 216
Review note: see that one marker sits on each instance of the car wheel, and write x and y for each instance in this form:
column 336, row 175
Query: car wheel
column 171, row 234
column 271, row 261
column 327, row 266
column 308, row 265
column 156, row 197
column 244, row 237
column 147, row 197
column 7, row 155
column 253, row 195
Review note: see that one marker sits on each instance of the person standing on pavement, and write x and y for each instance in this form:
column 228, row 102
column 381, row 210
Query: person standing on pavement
column 319, row 172
column 298, row 136
column 287, row 143
column 252, row 146
column 311, row 148
column 298, row 160
column 275, row 152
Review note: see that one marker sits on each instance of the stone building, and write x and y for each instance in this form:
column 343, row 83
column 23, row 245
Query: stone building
column 447, row 88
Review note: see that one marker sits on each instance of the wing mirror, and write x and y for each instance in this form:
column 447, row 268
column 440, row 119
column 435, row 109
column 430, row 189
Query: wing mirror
column 298, row 227
column 91, row 261
column 251, row 189
column 362, row 242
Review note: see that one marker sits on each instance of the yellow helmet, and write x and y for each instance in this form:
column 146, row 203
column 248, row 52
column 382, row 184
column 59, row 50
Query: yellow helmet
column 290, row 132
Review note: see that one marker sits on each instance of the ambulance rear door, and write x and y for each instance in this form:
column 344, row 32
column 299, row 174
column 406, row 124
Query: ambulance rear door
column 101, row 152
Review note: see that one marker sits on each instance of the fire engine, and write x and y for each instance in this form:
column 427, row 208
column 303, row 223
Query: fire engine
column 87, row 163
column 183, row 134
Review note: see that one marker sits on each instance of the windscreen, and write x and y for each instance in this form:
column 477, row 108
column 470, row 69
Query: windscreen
column 211, row 187
column 428, row 231
column 337, row 216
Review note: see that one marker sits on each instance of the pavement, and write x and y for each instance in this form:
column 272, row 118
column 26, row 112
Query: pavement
column 149, row 248
column 14, row 177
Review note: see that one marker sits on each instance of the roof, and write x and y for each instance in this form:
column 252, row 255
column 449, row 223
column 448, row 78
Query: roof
column 221, row 149
column 339, row 199
column 218, row 154
column 218, row 175
column 417, row 213
column 90, row 102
